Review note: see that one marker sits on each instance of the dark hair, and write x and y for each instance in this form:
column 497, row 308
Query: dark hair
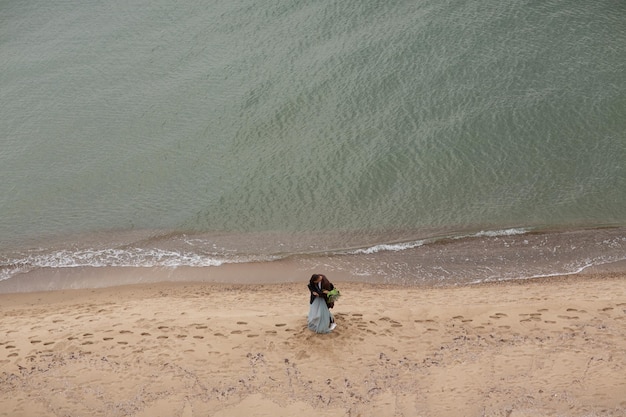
column 314, row 278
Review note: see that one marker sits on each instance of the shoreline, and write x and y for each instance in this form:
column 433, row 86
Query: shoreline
column 485, row 256
column 282, row 271
column 266, row 273
column 545, row 346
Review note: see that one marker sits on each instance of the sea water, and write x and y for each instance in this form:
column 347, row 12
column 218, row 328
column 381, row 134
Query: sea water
column 402, row 141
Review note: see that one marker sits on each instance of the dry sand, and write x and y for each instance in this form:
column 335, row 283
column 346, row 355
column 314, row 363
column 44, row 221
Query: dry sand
column 550, row 347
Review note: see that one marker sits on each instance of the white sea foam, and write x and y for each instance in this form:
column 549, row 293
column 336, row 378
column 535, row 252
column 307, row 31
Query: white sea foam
column 496, row 233
column 396, row 247
column 130, row 257
column 388, row 247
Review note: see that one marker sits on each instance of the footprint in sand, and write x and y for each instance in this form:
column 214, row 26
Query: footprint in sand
column 301, row 355
column 241, row 322
column 280, row 324
column 146, row 334
column 198, row 337
column 162, row 337
column 107, row 338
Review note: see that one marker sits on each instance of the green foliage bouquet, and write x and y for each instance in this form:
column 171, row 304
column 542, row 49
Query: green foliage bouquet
column 333, row 295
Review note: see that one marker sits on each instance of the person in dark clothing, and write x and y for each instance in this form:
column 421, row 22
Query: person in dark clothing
column 320, row 320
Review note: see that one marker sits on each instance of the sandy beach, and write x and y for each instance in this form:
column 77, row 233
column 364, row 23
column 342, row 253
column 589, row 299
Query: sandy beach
column 545, row 347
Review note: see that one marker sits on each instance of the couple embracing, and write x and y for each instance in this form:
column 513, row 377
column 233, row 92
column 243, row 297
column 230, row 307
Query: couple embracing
column 323, row 296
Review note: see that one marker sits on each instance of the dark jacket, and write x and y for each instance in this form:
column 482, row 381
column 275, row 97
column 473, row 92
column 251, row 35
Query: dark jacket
column 326, row 285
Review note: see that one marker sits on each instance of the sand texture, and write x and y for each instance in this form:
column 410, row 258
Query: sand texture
column 551, row 347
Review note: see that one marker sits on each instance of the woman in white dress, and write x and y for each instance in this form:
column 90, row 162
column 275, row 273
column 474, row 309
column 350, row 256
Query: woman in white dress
column 320, row 319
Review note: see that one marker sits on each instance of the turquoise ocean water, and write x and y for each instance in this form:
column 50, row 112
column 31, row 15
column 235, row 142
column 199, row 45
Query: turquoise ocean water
column 402, row 141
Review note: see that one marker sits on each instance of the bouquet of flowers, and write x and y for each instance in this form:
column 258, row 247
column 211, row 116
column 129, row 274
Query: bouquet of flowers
column 333, row 295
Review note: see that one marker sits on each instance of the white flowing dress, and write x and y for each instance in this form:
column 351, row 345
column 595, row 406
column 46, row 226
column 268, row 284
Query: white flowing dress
column 319, row 316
